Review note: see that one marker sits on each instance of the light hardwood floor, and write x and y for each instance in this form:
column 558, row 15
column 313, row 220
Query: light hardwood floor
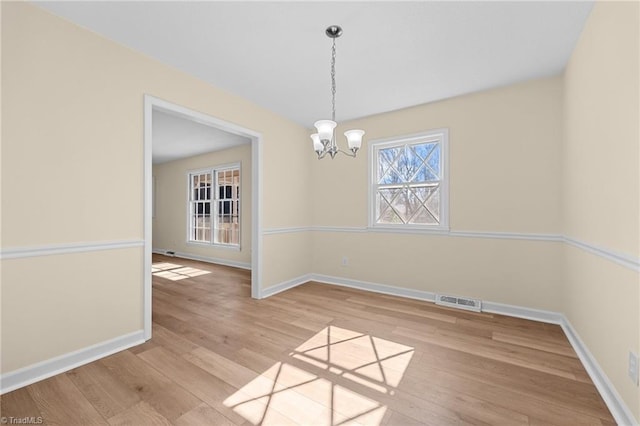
column 318, row 354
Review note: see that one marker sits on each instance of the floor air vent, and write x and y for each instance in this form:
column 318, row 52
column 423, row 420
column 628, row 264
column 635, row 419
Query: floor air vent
column 459, row 302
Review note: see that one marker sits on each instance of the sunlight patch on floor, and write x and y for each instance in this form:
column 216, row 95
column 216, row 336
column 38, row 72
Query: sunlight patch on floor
column 174, row 272
column 293, row 392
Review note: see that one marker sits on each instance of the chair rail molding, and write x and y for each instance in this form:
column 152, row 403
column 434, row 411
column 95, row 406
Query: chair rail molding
column 66, row 248
column 623, row 259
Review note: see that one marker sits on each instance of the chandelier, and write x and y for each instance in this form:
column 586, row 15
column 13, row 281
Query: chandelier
column 324, row 141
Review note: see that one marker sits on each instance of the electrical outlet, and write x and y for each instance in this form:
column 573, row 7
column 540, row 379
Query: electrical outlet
column 345, row 261
column 633, row 368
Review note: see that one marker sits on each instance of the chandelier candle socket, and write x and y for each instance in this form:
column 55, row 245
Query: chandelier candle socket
column 324, row 142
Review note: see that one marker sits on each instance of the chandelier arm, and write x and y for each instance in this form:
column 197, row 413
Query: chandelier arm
column 350, row 154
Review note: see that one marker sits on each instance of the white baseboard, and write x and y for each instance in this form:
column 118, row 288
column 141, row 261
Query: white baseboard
column 45, row 369
column 612, row 399
column 522, row 312
column 375, row 287
column 286, row 285
column 214, row 260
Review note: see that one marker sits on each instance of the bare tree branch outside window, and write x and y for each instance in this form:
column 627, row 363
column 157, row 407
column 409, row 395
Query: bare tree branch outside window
column 408, row 184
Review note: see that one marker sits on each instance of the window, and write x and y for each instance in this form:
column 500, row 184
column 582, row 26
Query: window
column 214, row 206
column 409, row 187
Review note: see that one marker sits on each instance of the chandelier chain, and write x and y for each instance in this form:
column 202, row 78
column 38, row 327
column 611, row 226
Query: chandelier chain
column 333, row 81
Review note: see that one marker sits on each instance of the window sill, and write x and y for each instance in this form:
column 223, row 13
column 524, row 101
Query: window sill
column 404, row 229
column 215, row 245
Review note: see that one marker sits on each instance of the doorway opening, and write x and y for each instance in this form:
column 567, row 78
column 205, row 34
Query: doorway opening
column 155, row 108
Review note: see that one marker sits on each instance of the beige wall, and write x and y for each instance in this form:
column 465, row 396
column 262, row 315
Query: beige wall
column 504, row 160
column 601, row 176
column 601, row 150
column 522, row 273
column 170, row 221
column 53, row 305
column 72, row 148
column 504, row 166
column 281, row 245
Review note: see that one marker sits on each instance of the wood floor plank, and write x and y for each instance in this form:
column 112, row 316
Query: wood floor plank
column 172, row 341
column 550, row 333
column 525, row 357
column 488, row 401
column 19, row 404
column 61, row 403
column 106, row 393
column 529, row 342
column 477, row 374
column 203, row 415
column 140, row 414
column 394, row 418
column 151, row 385
column 253, row 360
column 221, row 367
column 292, row 330
column 319, row 355
column 203, row 385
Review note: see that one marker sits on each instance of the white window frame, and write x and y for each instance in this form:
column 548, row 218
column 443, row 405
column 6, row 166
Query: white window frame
column 437, row 135
column 214, row 205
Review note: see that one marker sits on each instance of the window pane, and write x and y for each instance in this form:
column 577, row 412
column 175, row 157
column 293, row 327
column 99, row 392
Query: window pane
column 433, row 203
column 385, row 213
column 408, row 164
column 391, row 176
column 235, row 232
column 434, row 160
column 424, row 149
column 401, row 206
column 225, row 222
column 424, row 217
column 425, row 174
column 413, row 203
column 426, row 207
column 200, row 207
column 386, row 159
column 386, row 206
column 193, row 181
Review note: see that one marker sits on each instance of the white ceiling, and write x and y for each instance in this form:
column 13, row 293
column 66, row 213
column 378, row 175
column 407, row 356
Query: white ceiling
column 391, row 55
column 175, row 137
